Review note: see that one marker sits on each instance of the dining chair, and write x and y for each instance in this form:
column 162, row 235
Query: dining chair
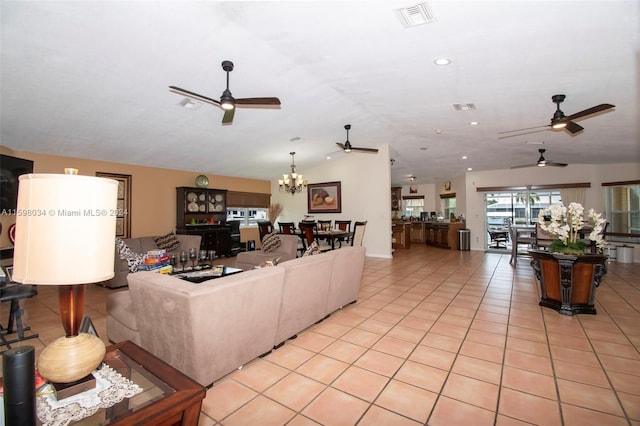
column 343, row 225
column 287, row 227
column 309, row 233
column 324, row 225
column 520, row 236
column 358, row 233
column 265, row 227
column 290, row 228
column 542, row 238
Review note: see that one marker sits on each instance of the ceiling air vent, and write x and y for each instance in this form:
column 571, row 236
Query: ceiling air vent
column 189, row 104
column 464, row 107
column 415, row 15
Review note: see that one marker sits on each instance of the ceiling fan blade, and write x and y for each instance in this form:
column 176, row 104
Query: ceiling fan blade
column 522, row 134
column 264, row 102
column 522, row 130
column 341, row 145
column 193, row 95
column 552, row 164
column 589, row 111
column 370, row 150
column 523, row 166
column 573, row 127
column 227, row 118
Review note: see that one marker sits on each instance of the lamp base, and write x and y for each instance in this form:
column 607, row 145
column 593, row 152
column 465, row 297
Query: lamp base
column 65, row 390
column 69, row 359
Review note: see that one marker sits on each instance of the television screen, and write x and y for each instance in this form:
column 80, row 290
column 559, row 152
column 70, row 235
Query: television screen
column 10, row 169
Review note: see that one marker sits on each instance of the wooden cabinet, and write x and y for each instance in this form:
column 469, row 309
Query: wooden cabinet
column 401, row 235
column 198, row 205
column 443, row 234
column 204, row 212
column 417, row 232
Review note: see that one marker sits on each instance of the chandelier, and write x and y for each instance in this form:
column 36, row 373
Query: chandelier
column 292, row 182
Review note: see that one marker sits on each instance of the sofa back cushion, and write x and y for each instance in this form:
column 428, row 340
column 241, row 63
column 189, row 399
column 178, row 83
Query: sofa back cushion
column 304, row 294
column 209, row 329
column 346, row 276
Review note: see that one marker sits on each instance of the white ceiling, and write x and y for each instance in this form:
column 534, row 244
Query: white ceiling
column 90, row 80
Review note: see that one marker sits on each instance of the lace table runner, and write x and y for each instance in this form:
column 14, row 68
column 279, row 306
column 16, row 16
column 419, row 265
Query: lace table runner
column 111, row 388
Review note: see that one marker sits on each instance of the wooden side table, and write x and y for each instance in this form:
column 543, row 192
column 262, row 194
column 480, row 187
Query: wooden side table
column 168, row 397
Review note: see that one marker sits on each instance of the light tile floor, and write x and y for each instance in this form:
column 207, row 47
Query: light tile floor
column 437, row 337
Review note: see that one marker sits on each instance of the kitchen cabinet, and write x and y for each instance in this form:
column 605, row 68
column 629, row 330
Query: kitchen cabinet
column 401, row 235
column 443, row 234
column 417, row 232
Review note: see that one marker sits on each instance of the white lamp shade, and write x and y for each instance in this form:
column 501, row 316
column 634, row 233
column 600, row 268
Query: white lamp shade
column 65, row 229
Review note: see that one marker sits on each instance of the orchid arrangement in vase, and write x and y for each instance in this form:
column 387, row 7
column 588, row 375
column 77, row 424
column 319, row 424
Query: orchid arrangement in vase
column 565, row 223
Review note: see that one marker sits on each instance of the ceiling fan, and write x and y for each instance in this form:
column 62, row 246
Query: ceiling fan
column 542, row 162
column 346, row 147
column 561, row 121
column 227, row 102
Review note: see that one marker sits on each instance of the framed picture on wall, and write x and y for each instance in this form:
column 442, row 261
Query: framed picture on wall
column 123, row 218
column 324, row 197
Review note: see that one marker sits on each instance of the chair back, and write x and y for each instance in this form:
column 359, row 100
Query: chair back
column 343, row 225
column 264, row 227
column 309, row 231
column 543, row 238
column 324, row 225
column 287, row 227
column 358, row 233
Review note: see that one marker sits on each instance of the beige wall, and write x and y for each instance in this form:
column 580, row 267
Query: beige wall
column 153, row 209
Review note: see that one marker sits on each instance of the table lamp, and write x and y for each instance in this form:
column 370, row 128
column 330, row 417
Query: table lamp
column 65, row 236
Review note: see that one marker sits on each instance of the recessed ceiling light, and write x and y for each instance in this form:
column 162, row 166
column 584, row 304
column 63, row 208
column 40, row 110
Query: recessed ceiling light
column 469, row 169
column 328, row 157
column 442, row 61
column 464, row 157
column 473, row 123
column 438, row 131
column 534, row 143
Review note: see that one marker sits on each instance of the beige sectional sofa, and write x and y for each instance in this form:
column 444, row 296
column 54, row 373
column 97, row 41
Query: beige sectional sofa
column 142, row 245
column 209, row 329
column 288, row 250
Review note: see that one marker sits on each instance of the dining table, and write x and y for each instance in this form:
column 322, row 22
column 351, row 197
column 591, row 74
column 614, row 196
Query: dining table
column 331, row 236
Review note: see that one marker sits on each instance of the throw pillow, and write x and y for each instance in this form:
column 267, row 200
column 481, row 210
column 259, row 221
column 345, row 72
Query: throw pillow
column 167, row 242
column 312, row 249
column 270, row 242
column 125, row 253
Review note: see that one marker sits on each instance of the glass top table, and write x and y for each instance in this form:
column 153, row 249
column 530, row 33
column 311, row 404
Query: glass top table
column 167, row 397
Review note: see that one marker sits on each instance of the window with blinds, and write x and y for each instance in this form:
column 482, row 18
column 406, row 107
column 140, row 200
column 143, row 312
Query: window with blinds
column 247, row 207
